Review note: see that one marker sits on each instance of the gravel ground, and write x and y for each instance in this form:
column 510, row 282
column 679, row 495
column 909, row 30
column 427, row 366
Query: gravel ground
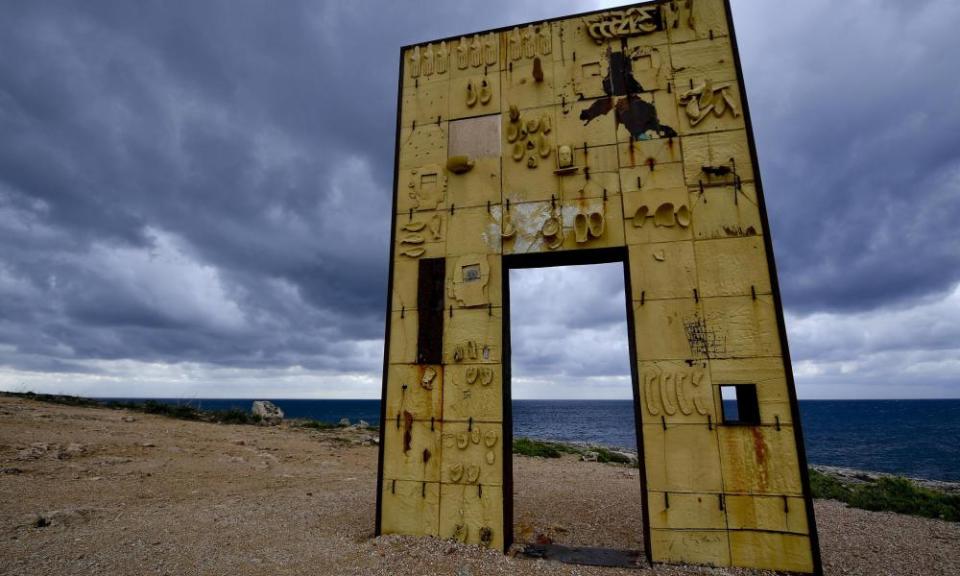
column 95, row 491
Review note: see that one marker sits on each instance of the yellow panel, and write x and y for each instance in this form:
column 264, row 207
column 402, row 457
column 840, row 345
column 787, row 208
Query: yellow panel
column 687, row 21
column 421, row 235
column 422, row 188
column 404, row 292
column 768, row 375
column 666, row 270
column 650, row 153
column 759, row 460
column 657, row 216
column 403, row 337
column 472, row 514
column 575, row 42
column 577, row 185
column 472, row 454
column 474, row 231
column 478, row 186
column 678, row 392
column 710, row 547
column 423, row 104
column 474, row 280
column 732, row 266
column 521, row 88
column 426, row 63
column 529, row 155
column 662, row 326
column 772, row 513
column 522, row 44
column 683, row 458
column 417, row 389
column 650, row 62
column 473, row 391
column 417, row 460
column 476, row 54
column 744, row 327
column 425, row 144
column 410, row 508
column 716, row 149
column 644, row 177
column 474, row 95
column 787, row 552
column 596, row 158
column 686, row 511
column 716, row 214
column 473, row 335
column 702, row 59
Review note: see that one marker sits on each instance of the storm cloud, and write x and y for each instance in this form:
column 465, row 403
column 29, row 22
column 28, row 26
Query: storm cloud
column 195, row 196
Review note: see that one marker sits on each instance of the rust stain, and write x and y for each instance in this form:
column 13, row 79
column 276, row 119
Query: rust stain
column 760, row 451
column 407, row 430
column 426, row 455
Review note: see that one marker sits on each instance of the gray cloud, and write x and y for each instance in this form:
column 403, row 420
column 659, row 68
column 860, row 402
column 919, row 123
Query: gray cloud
column 203, row 187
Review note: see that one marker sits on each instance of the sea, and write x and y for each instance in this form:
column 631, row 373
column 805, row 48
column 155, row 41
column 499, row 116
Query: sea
column 917, row 438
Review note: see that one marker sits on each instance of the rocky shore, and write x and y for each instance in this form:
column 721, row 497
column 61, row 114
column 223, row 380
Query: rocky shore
column 87, row 490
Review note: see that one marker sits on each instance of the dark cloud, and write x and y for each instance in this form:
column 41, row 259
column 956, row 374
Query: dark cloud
column 855, row 115
column 209, row 182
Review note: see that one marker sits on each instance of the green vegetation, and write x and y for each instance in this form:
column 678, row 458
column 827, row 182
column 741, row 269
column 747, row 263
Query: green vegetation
column 316, row 425
column 179, row 411
column 890, row 494
column 542, row 449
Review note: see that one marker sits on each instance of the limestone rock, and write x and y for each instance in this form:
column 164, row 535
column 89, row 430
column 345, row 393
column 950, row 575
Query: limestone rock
column 268, row 412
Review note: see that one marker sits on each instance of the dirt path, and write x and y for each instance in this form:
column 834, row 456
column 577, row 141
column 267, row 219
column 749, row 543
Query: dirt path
column 126, row 493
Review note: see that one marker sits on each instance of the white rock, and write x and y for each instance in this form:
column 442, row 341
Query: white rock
column 268, row 412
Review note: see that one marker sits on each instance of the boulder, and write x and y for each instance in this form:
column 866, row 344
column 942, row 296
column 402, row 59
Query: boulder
column 589, row 456
column 363, row 425
column 344, row 422
column 268, row 412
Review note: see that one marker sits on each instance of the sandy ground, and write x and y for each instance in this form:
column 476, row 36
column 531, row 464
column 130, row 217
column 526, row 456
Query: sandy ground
column 127, row 493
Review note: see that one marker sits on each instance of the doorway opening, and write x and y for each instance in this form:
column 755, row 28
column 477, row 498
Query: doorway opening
column 574, row 489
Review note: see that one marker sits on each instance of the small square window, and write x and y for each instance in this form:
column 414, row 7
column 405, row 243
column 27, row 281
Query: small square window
column 739, row 403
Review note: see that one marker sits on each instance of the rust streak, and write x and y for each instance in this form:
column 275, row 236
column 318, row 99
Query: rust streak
column 407, row 430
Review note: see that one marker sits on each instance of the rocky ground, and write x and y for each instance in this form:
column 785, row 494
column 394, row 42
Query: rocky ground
column 97, row 491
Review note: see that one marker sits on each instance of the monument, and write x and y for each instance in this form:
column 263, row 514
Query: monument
column 614, row 136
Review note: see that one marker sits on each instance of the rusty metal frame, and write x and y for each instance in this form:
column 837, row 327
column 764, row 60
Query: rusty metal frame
column 566, row 258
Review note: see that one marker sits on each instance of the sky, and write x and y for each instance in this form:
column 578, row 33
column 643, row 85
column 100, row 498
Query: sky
column 195, row 197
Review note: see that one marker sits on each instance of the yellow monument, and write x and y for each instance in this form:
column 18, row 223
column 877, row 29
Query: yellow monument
column 614, row 136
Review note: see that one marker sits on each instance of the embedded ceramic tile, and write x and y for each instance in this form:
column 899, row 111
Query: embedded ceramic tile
column 676, row 392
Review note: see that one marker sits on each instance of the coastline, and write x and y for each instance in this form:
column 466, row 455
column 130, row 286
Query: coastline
column 88, row 490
